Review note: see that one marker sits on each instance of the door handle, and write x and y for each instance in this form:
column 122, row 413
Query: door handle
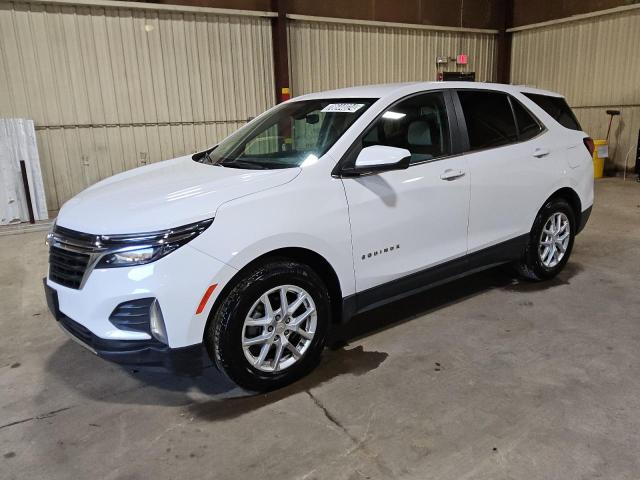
column 450, row 174
column 540, row 152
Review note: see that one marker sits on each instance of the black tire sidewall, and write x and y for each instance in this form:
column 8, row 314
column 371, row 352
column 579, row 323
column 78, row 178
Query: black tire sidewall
column 223, row 338
column 532, row 258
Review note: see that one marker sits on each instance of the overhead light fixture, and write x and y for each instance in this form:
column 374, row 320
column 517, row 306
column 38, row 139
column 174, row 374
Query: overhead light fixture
column 393, row 115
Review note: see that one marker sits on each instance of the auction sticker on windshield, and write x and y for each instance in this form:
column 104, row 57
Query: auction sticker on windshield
column 343, row 107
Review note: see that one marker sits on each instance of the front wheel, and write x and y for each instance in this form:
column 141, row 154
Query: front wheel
column 550, row 241
column 271, row 328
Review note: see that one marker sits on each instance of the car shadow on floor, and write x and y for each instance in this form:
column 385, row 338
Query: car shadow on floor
column 213, row 397
column 393, row 314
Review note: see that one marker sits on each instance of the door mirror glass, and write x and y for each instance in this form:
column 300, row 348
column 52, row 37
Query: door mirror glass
column 380, row 158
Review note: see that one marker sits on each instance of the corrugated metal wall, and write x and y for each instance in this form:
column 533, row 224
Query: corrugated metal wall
column 111, row 89
column 595, row 64
column 332, row 55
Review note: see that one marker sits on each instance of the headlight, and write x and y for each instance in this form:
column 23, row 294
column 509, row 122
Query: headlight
column 125, row 258
column 143, row 248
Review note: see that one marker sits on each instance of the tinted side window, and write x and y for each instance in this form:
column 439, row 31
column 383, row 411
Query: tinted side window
column 557, row 108
column 489, row 119
column 528, row 126
column 418, row 124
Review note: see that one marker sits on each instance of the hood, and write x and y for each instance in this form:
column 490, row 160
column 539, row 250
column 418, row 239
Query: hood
column 163, row 195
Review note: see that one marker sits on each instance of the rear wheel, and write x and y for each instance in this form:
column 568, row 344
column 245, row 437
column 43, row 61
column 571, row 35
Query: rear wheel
column 271, row 328
column 550, row 242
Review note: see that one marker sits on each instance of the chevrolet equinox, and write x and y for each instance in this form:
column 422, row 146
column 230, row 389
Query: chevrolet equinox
column 324, row 206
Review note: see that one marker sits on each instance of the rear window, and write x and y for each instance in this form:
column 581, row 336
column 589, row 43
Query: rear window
column 488, row 117
column 557, row 108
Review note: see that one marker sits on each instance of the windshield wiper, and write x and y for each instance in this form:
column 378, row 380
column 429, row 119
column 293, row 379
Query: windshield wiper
column 252, row 165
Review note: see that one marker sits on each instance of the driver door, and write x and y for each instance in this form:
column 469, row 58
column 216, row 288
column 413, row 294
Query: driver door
column 406, row 223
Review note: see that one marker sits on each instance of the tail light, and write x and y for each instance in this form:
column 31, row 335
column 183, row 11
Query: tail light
column 588, row 142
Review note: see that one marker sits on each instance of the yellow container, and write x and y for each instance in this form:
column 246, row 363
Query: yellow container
column 600, row 152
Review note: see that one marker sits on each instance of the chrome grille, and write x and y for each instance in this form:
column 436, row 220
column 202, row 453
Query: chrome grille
column 66, row 267
column 71, row 255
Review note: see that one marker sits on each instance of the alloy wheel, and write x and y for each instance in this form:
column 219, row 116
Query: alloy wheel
column 279, row 328
column 554, row 240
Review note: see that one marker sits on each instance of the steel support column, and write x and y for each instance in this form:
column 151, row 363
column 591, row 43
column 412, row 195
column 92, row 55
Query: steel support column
column 504, row 42
column 280, row 51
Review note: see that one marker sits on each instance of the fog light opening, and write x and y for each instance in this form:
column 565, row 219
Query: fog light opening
column 156, row 321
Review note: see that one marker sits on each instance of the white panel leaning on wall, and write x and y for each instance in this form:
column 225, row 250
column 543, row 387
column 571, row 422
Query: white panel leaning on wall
column 18, row 142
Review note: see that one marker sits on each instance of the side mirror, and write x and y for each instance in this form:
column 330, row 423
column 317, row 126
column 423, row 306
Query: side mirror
column 380, row 158
column 312, row 118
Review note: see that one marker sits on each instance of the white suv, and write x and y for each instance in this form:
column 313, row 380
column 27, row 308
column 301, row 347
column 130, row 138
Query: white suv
column 324, row 206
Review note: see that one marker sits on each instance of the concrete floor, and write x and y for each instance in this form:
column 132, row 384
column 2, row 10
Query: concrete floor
column 485, row 378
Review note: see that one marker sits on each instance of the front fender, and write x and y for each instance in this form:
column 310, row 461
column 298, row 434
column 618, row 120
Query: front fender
column 310, row 215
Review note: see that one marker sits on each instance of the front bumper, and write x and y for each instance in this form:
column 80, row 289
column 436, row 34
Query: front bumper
column 177, row 281
column 147, row 354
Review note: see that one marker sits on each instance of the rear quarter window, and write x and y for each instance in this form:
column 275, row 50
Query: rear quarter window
column 557, row 108
column 528, row 125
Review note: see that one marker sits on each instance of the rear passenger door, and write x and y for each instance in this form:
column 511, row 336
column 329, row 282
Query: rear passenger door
column 512, row 164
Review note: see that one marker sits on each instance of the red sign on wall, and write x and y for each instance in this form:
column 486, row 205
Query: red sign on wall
column 462, row 59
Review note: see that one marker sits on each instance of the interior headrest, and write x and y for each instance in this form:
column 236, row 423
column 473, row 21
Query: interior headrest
column 419, row 134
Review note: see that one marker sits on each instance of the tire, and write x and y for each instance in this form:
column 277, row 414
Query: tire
column 537, row 266
column 226, row 333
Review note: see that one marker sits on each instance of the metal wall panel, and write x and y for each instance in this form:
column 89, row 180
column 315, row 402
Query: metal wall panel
column 18, row 144
column 593, row 62
column 332, row 55
column 111, row 89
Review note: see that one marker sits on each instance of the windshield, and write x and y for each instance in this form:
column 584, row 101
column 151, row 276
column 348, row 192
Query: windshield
column 288, row 135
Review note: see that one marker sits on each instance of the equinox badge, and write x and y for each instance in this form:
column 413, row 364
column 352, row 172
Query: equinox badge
column 375, row 253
